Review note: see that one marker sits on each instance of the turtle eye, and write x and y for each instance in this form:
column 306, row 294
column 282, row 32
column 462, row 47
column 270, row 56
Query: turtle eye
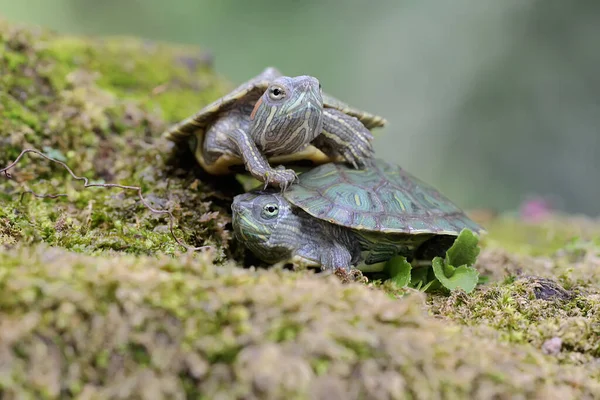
column 276, row 92
column 270, row 211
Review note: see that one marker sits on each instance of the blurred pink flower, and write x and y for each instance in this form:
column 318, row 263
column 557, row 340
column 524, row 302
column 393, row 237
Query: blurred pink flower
column 535, row 209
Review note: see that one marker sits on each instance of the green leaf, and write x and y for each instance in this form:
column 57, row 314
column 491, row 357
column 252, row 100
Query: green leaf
column 399, row 270
column 432, row 284
column 464, row 251
column 464, row 277
column 419, row 277
column 448, row 269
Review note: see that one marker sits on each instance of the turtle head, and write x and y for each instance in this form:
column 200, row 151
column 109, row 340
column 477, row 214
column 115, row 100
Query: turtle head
column 261, row 220
column 288, row 115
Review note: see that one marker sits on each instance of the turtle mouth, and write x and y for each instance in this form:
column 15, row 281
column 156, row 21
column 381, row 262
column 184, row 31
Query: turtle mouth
column 247, row 231
column 304, row 110
column 305, row 99
column 245, row 226
column 237, row 222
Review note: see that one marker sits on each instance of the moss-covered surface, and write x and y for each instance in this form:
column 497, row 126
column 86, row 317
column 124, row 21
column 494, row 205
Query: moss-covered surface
column 100, row 106
column 98, row 301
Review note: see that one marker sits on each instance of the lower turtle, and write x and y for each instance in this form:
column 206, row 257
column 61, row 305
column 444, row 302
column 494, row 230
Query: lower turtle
column 339, row 217
column 273, row 118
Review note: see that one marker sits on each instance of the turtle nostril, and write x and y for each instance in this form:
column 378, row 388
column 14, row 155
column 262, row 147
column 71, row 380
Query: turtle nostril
column 308, row 83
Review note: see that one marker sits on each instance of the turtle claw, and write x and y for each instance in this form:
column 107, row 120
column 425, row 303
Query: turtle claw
column 358, row 156
column 280, row 177
column 350, row 275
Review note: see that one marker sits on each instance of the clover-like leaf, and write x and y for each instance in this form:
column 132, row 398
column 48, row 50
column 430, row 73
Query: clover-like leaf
column 463, row 277
column 464, row 251
column 399, row 270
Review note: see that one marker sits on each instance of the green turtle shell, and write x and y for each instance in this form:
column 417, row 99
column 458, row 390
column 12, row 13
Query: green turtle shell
column 249, row 92
column 380, row 198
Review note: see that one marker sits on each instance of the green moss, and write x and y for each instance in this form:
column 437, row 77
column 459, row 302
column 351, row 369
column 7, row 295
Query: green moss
column 534, row 299
column 90, row 103
column 152, row 320
column 156, row 75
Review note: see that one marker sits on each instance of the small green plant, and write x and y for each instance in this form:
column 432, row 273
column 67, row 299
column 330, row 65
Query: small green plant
column 453, row 272
column 400, row 271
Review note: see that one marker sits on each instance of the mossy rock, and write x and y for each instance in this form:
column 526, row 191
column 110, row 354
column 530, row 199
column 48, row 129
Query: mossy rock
column 99, row 301
column 100, row 105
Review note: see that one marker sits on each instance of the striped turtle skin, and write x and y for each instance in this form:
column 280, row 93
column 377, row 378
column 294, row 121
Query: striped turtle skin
column 340, row 217
column 276, row 119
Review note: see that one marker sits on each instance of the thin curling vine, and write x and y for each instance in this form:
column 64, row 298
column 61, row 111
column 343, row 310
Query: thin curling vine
column 87, row 184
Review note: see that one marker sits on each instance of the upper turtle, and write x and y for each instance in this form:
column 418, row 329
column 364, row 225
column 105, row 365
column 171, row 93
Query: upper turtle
column 279, row 119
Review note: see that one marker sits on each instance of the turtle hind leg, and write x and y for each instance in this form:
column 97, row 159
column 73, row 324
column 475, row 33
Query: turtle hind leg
column 216, row 139
column 180, row 159
column 346, row 135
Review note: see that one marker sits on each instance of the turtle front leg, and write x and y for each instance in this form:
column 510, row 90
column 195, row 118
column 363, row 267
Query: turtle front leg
column 336, row 257
column 330, row 255
column 345, row 135
column 256, row 163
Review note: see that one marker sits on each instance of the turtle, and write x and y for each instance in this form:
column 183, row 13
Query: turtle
column 336, row 217
column 279, row 119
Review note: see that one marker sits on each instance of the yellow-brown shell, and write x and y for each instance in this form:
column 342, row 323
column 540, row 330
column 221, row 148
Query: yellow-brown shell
column 223, row 164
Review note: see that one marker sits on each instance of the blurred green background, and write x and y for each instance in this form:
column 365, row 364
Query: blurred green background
column 491, row 101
